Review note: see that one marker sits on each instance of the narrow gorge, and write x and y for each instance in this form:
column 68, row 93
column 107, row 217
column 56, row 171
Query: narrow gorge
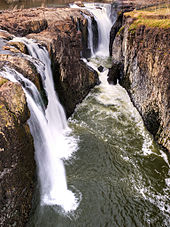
column 84, row 114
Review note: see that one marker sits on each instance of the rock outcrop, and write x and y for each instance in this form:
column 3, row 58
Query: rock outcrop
column 141, row 47
column 61, row 31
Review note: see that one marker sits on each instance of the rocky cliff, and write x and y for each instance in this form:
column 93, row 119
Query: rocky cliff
column 140, row 54
column 61, row 31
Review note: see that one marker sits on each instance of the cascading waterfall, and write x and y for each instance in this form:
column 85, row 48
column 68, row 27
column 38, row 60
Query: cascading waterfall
column 90, row 35
column 122, row 174
column 49, row 130
column 48, row 125
column 102, row 14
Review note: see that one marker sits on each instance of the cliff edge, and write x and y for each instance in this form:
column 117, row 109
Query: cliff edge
column 140, row 54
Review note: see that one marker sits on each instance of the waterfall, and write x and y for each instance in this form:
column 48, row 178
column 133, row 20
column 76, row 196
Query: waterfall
column 49, row 130
column 103, row 16
column 90, row 34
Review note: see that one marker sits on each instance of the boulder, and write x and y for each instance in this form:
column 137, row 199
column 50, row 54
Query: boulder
column 115, row 73
column 100, row 68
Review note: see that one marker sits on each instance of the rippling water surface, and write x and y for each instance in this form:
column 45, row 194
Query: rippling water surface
column 118, row 174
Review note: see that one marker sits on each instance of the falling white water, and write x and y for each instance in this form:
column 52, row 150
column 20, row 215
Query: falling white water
column 102, row 15
column 90, row 35
column 49, row 128
column 102, row 12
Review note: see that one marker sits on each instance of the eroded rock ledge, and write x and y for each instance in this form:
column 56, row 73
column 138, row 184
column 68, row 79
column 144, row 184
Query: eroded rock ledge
column 61, row 31
column 140, row 54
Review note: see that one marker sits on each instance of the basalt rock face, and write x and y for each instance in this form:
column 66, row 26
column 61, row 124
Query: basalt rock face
column 143, row 53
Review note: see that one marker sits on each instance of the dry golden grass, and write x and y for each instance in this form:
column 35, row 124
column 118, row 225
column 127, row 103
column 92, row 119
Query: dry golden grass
column 151, row 17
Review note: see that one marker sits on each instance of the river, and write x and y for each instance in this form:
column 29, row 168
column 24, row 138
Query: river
column 117, row 175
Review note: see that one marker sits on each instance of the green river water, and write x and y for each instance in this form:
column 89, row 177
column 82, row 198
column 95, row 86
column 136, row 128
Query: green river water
column 118, row 174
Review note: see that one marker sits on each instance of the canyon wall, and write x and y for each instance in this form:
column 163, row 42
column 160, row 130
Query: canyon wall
column 60, row 30
column 140, row 54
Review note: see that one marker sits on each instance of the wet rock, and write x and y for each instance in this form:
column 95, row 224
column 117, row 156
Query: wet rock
column 100, row 68
column 20, row 46
column 115, row 73
column 79, row 3
column 5, row 35
column 24, row 66
column 95, row 34
column 83, row 26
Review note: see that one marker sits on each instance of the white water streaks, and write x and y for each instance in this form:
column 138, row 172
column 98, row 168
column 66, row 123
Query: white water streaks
column 48, row 128
column 90, row 35
column 118, row 97
column 113, row 95
column 102, row 15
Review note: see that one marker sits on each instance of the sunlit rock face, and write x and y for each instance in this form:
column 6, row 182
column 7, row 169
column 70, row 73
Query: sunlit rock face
column 142, row 52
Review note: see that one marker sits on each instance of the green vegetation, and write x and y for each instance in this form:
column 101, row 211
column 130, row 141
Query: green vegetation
column 2, row 81
column 150, row 17
column 121, row 29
